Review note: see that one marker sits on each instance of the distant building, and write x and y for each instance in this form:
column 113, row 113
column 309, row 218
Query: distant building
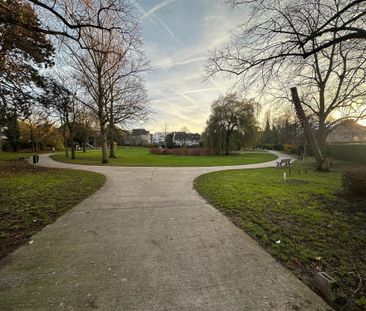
column 158, row 138
column 186, row 139
column 347, row 132
column 139, row 137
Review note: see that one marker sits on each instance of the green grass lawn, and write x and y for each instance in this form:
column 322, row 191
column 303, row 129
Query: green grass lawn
column 142, row 157
column 32, row 197
column 13, row 156
column 316, row 228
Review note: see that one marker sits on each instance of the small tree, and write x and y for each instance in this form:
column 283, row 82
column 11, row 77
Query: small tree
column 66, row 105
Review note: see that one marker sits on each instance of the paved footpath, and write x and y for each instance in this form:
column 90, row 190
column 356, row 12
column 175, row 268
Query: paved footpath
column 148, row 241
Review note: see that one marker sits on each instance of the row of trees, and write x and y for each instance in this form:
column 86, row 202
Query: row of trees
column 99, row 59
column 310, row 54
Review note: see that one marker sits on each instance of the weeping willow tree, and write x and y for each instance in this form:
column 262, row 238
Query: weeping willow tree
column 232, row 124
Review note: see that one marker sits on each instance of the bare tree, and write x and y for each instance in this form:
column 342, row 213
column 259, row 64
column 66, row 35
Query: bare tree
column 127, row 104
column 67, row 18
column 66, row 105
column 336, row 21
column 331, row 80
column 37, row 123
column 86, row 125
column 166, row 131
column 103, row 71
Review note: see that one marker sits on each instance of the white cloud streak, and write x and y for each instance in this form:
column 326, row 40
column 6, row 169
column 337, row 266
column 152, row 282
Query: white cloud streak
column 151, row 14
column 156, row 8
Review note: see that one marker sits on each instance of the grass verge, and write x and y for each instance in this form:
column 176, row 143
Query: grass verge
column 305, row 222
column 142, row 157
column 33, row 197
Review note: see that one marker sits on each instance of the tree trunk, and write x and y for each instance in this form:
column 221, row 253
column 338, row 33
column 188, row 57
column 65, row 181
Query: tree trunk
column 36, row 146
column 104, row 144
column 321, row 137
column 73, row 157
column 321, row 161
column 112, row 152
column 1, row 140
column 66, row 147
column 72, row 142
column 227, row 142
column 84, row 146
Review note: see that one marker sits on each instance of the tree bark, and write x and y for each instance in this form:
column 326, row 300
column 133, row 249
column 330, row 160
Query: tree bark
column 104, row 144
column 72, row 142
column 66, row 147
column 72, row 150
column 321, row 161
column 112, row 152
column 227, row 141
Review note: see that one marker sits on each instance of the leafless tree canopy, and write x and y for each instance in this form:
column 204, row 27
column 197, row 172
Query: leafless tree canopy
column 281, row 30
column 69, row 18
column 334, row 21
column 110, row 71
column 303, row 44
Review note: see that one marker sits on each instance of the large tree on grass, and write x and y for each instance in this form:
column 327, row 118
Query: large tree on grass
column 22, row 53
column 266, row 52
column 109, row 72
column 230, row 115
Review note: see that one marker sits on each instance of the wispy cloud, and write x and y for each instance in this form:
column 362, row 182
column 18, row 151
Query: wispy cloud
column 178, row 92
column 156, row 8
column 203, row 90
column 190, row 61
column 151, row 14
column 189, row 99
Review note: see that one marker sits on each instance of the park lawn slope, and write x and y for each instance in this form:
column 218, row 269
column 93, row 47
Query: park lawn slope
column 142, row 157
column 305, row 223
column 33, row 197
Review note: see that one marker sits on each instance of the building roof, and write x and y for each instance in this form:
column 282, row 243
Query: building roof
column 138, row 132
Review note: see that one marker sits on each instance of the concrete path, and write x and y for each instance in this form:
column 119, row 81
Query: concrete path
column 147, row 241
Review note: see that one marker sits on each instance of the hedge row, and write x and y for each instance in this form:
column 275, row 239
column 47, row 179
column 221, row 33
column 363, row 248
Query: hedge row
column 350, row 152
column 182, row 151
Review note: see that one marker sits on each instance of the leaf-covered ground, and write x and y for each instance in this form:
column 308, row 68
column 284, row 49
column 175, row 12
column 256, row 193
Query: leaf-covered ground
column 306, row 223
column 32, row 197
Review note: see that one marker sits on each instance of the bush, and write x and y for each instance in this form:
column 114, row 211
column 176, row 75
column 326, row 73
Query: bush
column 354, row 181
column 348, row 152
column 182, row 151
column 289, row 148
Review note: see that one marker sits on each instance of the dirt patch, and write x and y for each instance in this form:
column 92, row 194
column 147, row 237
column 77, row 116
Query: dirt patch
column 19, row 167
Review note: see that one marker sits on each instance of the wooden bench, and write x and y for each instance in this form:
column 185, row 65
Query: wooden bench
column 21, row 158
column 284, row 162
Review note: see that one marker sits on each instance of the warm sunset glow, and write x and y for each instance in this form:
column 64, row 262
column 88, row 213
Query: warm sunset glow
column 362, row 122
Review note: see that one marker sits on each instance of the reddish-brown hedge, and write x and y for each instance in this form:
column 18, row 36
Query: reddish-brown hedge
column 182, row 151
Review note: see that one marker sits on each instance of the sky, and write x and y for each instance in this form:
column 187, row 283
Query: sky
column 178, row 35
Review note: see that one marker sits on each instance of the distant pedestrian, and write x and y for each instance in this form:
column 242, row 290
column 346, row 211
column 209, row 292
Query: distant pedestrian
column 53, row 149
